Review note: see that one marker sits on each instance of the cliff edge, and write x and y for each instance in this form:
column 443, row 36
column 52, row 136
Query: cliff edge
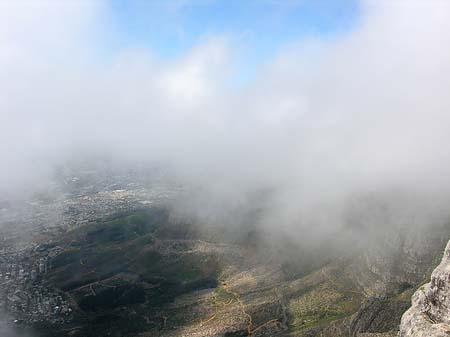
column 429, row 315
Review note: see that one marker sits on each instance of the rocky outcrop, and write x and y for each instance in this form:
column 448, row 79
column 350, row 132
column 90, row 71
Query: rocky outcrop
column 429, row 315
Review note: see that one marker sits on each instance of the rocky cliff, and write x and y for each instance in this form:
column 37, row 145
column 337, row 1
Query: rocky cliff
column 429, row 315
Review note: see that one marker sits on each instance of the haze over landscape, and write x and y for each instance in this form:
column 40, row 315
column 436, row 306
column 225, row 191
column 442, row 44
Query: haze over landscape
column 308, row 121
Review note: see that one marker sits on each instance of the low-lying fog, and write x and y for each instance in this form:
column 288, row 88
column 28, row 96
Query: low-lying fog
column 332, row 135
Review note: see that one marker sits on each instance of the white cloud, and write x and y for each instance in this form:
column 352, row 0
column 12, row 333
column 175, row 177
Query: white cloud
column 328, row 121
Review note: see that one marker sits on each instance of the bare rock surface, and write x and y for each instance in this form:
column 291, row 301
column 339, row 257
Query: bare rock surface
column 429, row 315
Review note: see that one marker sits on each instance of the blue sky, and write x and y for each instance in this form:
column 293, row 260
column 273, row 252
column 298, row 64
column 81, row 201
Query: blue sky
column 258, row 27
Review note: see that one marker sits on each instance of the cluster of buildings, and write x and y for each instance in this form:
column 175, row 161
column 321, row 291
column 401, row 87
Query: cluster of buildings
column 28, row 227
column 22, row 292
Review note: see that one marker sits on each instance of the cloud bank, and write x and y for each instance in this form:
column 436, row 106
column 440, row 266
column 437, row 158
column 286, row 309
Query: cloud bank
column 328, row 133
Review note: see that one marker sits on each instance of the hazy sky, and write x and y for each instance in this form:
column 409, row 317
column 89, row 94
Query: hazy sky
column 324, row 105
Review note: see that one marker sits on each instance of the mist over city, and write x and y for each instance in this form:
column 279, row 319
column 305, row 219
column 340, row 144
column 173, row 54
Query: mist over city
column 224, row 168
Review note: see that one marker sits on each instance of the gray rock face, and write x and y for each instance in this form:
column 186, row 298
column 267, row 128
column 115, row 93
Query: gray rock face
column 429, row 315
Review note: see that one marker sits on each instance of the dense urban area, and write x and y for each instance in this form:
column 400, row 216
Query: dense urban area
column 29, row 228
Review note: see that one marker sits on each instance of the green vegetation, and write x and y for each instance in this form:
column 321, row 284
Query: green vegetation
column 323, row 307
column 328, row 301
column 143, row 273
column 114, row 297
column 139, row 261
